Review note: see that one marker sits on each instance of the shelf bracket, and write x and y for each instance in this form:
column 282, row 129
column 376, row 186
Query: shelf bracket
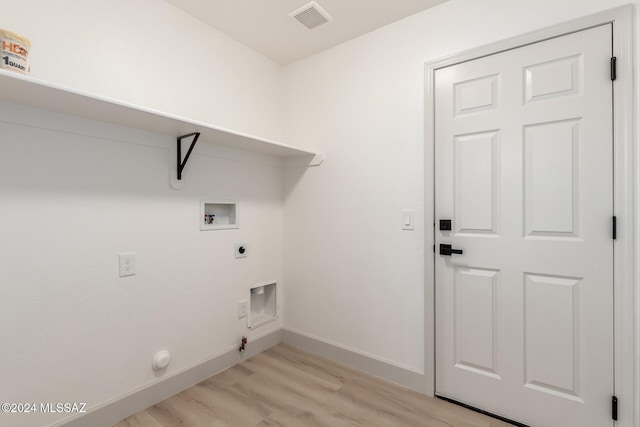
column 182, row 163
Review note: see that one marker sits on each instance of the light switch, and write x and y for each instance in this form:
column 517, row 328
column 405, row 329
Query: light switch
column 407, row 220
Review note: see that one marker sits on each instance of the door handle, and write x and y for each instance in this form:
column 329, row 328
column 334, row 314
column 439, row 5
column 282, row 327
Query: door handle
column 448, row 250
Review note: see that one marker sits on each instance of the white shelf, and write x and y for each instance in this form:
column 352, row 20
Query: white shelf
column 32, row 92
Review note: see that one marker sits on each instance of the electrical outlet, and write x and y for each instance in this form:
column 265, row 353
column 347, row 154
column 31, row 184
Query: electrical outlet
column 243, row 308
column 127, row 264
column 241, row 250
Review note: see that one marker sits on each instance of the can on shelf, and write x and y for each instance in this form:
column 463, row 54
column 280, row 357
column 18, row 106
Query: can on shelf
column 14, row 52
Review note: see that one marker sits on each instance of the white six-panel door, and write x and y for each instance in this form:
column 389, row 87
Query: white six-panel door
column 524, row 169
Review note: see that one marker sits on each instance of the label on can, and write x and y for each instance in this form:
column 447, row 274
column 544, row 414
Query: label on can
column 14, row 52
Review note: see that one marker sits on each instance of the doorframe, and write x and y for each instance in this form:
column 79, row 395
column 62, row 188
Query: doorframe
column 626, row 199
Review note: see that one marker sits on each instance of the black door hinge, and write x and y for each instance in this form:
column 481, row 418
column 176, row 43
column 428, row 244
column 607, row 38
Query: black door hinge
column 614, row 228
column 614, row 408
column 434, row 249
column 613, row 68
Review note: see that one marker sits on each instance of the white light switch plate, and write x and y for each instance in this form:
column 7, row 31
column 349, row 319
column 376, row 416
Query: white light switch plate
column 407, row 220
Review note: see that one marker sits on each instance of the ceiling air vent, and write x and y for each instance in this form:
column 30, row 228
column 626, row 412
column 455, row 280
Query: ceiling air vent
column 311, row 15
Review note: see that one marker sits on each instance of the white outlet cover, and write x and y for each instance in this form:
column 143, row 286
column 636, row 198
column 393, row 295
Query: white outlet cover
column 127, row 264
column 241, row 253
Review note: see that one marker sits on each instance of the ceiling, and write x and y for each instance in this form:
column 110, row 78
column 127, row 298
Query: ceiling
column 265, row 25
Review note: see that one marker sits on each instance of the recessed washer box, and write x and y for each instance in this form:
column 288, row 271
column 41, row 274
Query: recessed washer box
column 263, row 303
column 216, row 214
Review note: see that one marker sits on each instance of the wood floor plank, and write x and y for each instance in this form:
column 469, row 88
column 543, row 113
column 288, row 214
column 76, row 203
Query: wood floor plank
column 311, row 363
column 281, row 368
column 141, row 419
column 311, row 419
column 302, row 385
column 178, row 411
column 376, row 410
column 293, row 357
column 287, row 387
column 288, row 404
column 319, row 364
column 229, row 405
column 230, row 376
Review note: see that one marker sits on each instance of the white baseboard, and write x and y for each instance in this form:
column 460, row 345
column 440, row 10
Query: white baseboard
column 387, row 371
column 116, row 410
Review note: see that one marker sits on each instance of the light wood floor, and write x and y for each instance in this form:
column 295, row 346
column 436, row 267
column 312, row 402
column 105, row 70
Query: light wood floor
column 285, row 386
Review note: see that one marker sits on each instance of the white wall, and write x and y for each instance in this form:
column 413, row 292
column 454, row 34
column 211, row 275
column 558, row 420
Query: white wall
column 149, row 53
column 354, row 277
column 74, row 194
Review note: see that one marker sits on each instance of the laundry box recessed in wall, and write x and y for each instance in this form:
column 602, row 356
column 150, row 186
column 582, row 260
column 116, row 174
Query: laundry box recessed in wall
column 263, row 305
column 218, row 214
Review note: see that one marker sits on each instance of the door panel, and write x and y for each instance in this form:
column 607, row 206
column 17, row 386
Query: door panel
column 551, row 162
column 476, row 95
column 475, row 183
column 551, row 330
column 524, row 168
column 552, row 79
column 475, row 320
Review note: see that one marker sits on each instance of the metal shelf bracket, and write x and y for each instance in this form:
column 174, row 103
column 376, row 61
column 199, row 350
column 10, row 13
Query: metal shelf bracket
column 182, row 163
